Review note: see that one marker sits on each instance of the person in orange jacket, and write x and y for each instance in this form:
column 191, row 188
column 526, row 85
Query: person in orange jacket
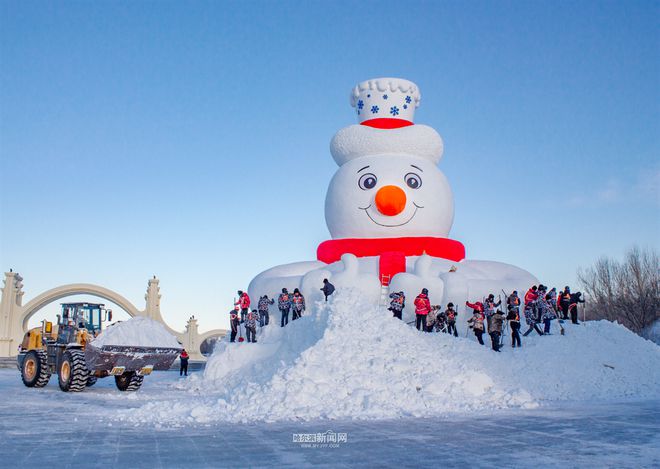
column 422, row 309
column 564, row 302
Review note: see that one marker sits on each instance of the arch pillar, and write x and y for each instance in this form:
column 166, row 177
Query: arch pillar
column 190, row 339
column 11, row 328
column 152, row 298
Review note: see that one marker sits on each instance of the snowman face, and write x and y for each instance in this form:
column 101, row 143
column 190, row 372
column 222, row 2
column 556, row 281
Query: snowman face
column 389, row 196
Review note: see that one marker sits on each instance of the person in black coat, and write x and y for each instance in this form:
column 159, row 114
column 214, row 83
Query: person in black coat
column 234, row 322
column 328, row 288
column 575, row 299
column 564, row 302
column 513, row 317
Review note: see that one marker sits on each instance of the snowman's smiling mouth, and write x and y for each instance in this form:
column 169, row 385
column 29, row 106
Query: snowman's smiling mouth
column 366, row 210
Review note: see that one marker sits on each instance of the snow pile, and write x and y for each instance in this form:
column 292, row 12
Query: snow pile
column 349, row 360
column 137, row 332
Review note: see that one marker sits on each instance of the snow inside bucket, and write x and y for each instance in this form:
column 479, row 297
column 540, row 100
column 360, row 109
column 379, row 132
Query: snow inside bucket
column 137, row 332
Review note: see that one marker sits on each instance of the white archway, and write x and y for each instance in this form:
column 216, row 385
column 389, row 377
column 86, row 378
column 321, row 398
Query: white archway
column 57, row 293
column 14, row 316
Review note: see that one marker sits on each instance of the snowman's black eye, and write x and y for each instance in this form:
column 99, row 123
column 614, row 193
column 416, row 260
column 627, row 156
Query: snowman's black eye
column 367, row 181
column 413, row 180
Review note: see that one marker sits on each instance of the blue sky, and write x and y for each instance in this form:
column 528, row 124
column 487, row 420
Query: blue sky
column 190, row 140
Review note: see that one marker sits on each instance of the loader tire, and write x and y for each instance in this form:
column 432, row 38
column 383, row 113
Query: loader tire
column 35, row 371
column 129, row 381
column 73, row 373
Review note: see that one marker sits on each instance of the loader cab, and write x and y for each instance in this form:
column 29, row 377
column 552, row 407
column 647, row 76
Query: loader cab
column 82, row 316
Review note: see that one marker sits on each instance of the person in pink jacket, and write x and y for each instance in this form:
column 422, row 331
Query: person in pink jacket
column 422, row 309
column 243, row 303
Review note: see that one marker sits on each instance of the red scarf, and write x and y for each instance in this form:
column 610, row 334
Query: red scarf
column 392, row 251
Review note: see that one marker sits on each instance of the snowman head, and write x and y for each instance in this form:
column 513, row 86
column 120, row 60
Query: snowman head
column 388, row 183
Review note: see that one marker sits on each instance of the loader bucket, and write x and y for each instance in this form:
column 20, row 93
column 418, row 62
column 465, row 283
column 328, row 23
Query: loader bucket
column 117, row 359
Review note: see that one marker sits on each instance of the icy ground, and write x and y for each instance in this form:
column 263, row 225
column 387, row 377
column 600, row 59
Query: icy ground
column 64, row 430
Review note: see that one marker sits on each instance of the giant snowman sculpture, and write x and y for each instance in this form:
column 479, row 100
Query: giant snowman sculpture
column 389, row 210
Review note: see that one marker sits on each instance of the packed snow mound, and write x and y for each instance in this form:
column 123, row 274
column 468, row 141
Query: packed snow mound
column 350, row 360
column 137, row 332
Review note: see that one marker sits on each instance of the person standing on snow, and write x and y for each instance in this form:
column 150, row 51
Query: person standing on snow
column 251, row 326
column 284, row 305
column 513, row 317
column 183, row 358
column 262, row 307
column 490, row 306
column 298, row 303
column 327, row 289
column 422, row 309
column 573, row 307
column 476, row 322
column 243, row 303
column 234, row 322
column 450, row 314
column 547, row 311
column 495, row 329
column 531, row 298
column 552, row 301
column 397, row 304
column 564, row 302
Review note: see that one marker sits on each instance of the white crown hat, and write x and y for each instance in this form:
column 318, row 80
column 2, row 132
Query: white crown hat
column 386, row 103
column 385, row 109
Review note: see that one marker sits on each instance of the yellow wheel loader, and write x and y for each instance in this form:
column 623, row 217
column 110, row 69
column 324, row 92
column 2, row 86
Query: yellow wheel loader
column 67, row 349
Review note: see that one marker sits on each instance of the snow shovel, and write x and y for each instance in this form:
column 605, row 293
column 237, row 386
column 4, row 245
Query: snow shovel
column 240, row 333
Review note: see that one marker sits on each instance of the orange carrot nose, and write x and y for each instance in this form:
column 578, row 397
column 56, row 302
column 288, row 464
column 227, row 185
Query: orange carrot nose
column 390, row 200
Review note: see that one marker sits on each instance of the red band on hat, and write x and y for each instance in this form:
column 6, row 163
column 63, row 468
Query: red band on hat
column 386, row 123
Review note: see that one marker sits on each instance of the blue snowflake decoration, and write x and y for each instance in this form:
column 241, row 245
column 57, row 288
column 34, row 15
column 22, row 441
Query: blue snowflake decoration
column 394, row 111
column 408, row 99
column 384, row 96
column 368, row 96
column 374, row 109
column 405, row 106
column 360, row 104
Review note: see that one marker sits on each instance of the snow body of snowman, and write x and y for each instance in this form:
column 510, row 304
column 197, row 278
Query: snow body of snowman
column 389, row 210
